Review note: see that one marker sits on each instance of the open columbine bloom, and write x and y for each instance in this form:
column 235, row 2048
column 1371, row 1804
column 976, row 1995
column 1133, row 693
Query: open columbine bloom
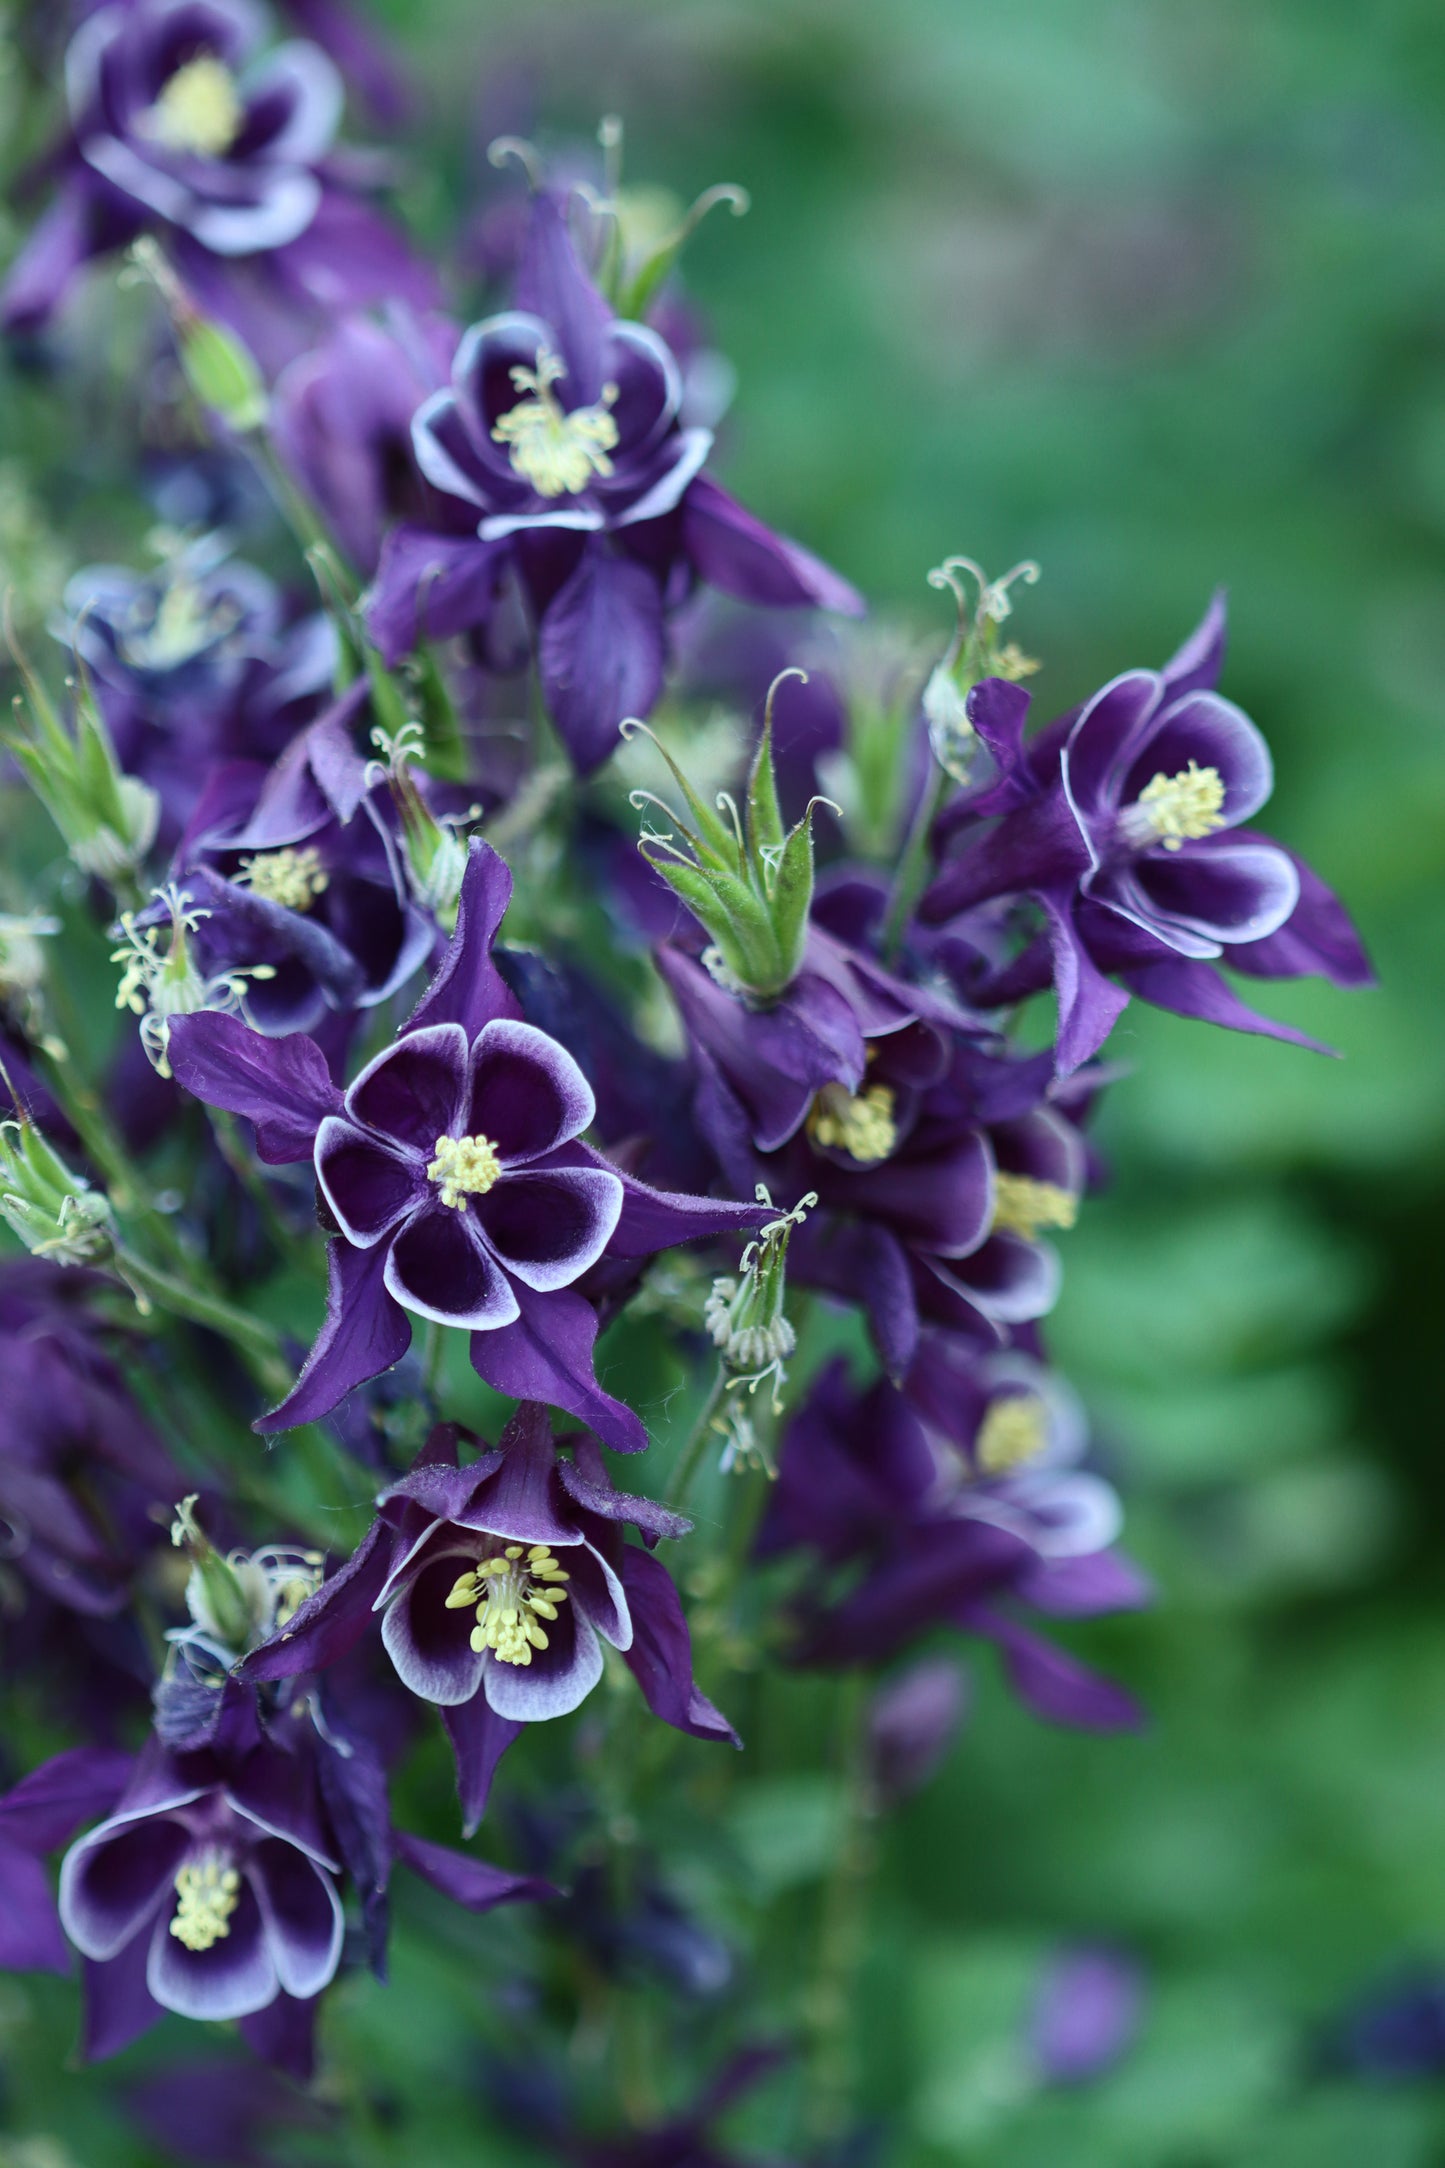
column 1118, row 821
column 178, row 123
column 454, row 1172
column 496, row 1584
column 561, row 436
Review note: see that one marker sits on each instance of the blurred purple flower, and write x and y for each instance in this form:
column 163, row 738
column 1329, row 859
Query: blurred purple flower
column 1086, row 2014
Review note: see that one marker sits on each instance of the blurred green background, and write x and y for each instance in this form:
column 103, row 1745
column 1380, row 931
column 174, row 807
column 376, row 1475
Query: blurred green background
column 1155, row 295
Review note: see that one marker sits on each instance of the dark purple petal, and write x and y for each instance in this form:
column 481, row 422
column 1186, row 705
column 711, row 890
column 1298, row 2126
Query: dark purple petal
column 112, row 1882
column 1085, row 1586
column 30, row 1934
column 302, row 1914
column 474, row 1884
column 735, row 552
column 660, row 1658
column 468, row 988
column 1205, row 728
column 231, row 1979
column 364, row 1333
column 1057, row 1686
column 429, row 1645
column 1197, row 666
column 1317, row 937
column 514, row 1494
column 46, row 1807
column 1104, row 741
column 119, row 2006
column 284, row 2035
column 528, row 1094
column 330, row 1623
column 586, row 1482
column 1189, row 987
column 552, row 285
column 368, row 1186
column 415, row 1090
column 655, row 1219
column 479, row 1740
column 1197, row 899
column 1010, row 1280
column 437, row 1265
column 600, row 653
column 281, row 1085
column 548, row 1227
column 547, row 1355
column 866, row 1263
column 1089, row 1004
column 1038, row 847
column 431, row 587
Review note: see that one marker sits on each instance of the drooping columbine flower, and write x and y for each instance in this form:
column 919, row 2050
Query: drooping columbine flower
column 1118, row 822
column 454, row 1172
column 162, row 976
column 496, row 1584
column 178, row 126
column 561, row 435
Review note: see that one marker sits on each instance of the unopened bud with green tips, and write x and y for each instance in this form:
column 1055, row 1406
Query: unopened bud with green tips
column 229, row 1598
column 435, row 848
column 746, row 878
column 107, row 818
column 53, row 1210
column 219, row 370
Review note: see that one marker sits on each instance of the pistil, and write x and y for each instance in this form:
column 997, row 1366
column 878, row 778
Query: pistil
column 293, row 878
column 1022, row 1206
column 1175, row 809
column 861, row 1125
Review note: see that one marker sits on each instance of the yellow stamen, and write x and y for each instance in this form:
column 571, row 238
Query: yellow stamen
column 1014, row 1430
column 199, row 110
column 464, row 1167
column 290, row 877
column 512, row 1594
column 1022, row 1206
column 209, row 1889
column 557, row 452
column 1175, row 809
column 863, row 1127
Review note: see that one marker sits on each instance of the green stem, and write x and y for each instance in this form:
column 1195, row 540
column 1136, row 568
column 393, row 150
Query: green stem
column 256, row 1342
column 253, row 1182
column 842, row 1934
column 689, row 1460
column 908, row 882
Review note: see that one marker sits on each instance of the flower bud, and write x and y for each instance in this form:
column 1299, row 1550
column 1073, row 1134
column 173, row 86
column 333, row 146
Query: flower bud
column 108, row 818
column 53, row 1210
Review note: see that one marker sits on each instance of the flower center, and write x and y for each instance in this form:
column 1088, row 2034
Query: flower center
column 1014, row 1430
column 199, row 109
column 557, row 452
column 464, row 1167
column 290, row 877
column 183, row 623
column 1022, row 1206
column 512, row 1595
column 1175, row 809
column 208, row 1890
column 862, row 1126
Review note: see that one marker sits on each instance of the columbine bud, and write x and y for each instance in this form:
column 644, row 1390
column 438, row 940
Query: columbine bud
column 238, row 1601
column 745, row 1314
column 435, row 849
column 218, row 368
column 748, row 881
column 973, row 653
column 162, row 979
column 108, row 818
column 53, row 1210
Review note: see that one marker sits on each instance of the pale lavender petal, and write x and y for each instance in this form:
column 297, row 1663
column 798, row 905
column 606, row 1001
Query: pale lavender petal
column 557, row 1680
column 302, row 1914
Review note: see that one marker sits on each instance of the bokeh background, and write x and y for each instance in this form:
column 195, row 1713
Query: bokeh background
column 1155, row 295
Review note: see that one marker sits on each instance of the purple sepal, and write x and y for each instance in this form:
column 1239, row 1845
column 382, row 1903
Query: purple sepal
column 330, row 1623
column 45, row 1808
column 468, row 988
column 366, row 1330
column 1317, row 938
column 587, row 1484
column 31, row 1939
column 1089, row 1003
column 479, row 1739
column 656, row 1219
column 352, row 1778
column 119, row 2007
column 1187, row 987
column 600, row 653
column 736, row 553
column 1198, row 665
column 546, row 1355
column 474, row 1884
column 282, row 1085
column 660, row 1658
column 1055, row 1685
column 430, row 586
column 284, row 2035
column 1083, row 1587
column 912, row 1723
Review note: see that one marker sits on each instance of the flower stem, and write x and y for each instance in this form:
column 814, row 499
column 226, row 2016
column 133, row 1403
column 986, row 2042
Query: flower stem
column 689, row 1460
column 842, row 1934
column 908, row 882
column 256, row 1342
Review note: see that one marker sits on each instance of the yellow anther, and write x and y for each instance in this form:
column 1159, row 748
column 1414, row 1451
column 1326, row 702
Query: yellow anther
column 512, row 1593
column 557, row 452
column 1015, row 1430
column 1175, row 809
column 292, row 878
column 199, row 110
column 464, row 1167
column 1022, row 1206
column 208, row 1890
column 863, row 1127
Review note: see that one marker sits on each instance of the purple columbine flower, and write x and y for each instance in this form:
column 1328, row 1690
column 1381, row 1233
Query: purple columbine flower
column 497, row 1584
column 297, row 870
column 561, row 438
column 179, row 124
column 1119, row 822
column 907, row 1535
column 454, row 1171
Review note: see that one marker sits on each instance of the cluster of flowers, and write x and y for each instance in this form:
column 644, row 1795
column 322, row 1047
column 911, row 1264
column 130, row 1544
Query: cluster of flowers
column 524, row 508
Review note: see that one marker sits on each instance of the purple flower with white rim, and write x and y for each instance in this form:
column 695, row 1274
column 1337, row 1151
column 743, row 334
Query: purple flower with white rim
column 219, row 1886
column 561, row 435
column 457, row 1178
